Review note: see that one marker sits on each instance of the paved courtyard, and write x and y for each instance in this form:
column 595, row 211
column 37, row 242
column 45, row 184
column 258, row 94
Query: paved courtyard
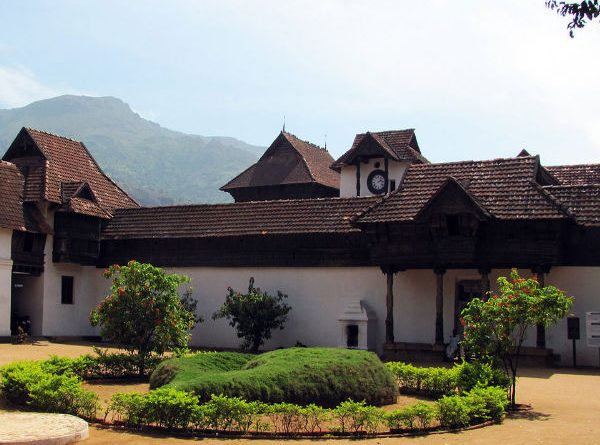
column 566, row 410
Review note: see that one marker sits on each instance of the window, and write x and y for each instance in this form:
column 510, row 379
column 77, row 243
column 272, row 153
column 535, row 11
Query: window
column 453, row 225
column 28, row 242
column 67, row 290
column 392, row 185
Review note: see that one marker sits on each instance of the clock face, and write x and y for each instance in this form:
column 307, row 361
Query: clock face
column 376, row 182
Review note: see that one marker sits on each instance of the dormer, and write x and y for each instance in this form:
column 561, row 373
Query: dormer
column 376, row 162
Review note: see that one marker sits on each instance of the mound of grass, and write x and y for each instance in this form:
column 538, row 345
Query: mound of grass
column 324, row 376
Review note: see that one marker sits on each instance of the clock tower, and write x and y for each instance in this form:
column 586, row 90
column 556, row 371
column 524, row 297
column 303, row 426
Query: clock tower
column 376, row 162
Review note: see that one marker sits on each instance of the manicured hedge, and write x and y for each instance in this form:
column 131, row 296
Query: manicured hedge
column 45, row 388
column 168, row 407
column 436, row 382
column 103, row 365
column 323, row 376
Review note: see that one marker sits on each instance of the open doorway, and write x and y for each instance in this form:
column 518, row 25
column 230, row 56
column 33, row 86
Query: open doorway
column 466, row 290
column 27, row 303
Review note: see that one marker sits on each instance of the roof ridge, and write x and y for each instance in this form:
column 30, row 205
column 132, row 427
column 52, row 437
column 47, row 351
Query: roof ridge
column 106, row 176
column 574, row 165
column 311, row 144
column 248, row 203
column 53, row 134
column 564, row 186
column 553, row 200
column 473, row 161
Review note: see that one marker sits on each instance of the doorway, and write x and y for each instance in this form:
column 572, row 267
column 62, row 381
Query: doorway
column 466, row 290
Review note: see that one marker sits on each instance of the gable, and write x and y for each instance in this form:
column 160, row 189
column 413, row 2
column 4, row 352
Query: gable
column 23, row 146
column 452, row 199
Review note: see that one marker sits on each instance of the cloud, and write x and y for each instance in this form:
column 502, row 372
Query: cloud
column 19, row 86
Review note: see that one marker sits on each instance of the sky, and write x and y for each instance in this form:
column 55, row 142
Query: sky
column 476, row 79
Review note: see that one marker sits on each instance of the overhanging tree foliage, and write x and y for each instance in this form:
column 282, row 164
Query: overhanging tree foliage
column 144, row 312
column 580, row 12
column 495, row 329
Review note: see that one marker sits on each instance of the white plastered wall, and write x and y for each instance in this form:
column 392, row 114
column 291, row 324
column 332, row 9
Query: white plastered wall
column 318, row 296
column 348, row 176
column 582, row 283
column 89, row 287
column 5, row 281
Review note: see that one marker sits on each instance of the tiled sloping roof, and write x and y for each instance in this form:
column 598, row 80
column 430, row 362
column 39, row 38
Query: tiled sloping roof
column 35, row 185
column 325, row 215
column 317, row 160
column 66, row 160
column 401, row 144
column 277, row 165
column 11, row 200
column 86, row 207
column 582, row 200
column 503, row 187
column 576, row 174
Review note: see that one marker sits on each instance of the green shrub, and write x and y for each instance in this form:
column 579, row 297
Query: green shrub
column 31, row 384
column 399, row 418
column 424, row 414
column 323, row 376
column 433, row 382
column 170, row 408
column 420, row 415
column 232, row 413
column 314, row 416
column 101, row 365
column 287, row 417
column 358, row 417
column 487, row 403
column 128, row 408
column 474, row 374
column 254, row 315
column 453, row 412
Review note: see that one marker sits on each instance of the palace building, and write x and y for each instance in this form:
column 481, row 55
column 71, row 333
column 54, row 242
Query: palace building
column 379, row 249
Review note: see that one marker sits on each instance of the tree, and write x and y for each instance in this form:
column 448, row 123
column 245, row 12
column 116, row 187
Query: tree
column 495, row 328
column 144, row 312
column 254, row 314
column 580, row 12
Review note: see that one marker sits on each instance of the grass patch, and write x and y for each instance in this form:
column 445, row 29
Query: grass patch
column 324, row 376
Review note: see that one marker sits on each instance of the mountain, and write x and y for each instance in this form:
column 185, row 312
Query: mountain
column 155, row 165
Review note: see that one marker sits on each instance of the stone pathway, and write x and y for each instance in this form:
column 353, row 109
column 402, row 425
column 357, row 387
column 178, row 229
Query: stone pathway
column 41, row 429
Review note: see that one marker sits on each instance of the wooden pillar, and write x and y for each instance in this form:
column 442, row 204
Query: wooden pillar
column 540, row 340
column 357, row 176
column 387, row 176
column 485, row 282
column 389, row 272
column 439, row 306
column 389, row 304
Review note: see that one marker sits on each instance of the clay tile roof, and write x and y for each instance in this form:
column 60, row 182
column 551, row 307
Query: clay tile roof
column 289, row 160
column 582, row 200
column 62, row 160
column 576, row 174
column 11, row 197
column 505, row 188
column 324, row 215
column 400, row 145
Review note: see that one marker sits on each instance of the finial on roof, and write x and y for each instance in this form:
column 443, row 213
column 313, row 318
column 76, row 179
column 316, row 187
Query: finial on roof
column 283, row 123
column 325, row 142
column 523, row 154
